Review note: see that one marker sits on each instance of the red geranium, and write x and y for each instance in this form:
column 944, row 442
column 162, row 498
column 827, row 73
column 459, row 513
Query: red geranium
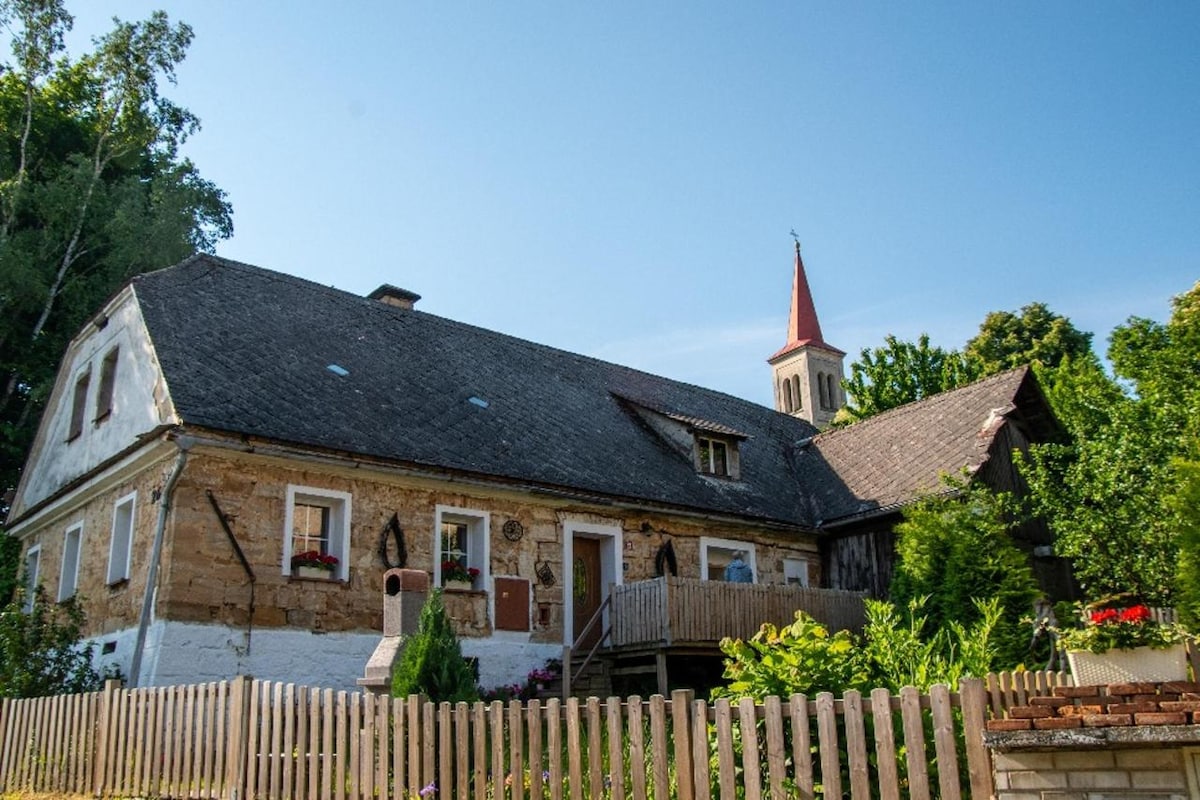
column 315, row 558
column 1121, row 628
column 1135, row 614
column 457, row 571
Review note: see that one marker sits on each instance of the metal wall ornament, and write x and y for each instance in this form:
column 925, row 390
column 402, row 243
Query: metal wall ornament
column 393, row 530
column 545, row 574
column 513, row 530
column 664, row 560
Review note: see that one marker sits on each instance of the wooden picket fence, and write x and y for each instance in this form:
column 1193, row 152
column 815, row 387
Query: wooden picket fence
column 246, row 739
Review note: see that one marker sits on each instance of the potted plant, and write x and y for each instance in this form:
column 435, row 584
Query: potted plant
column 458, row 576
column 1120, row 644
column 314, row 564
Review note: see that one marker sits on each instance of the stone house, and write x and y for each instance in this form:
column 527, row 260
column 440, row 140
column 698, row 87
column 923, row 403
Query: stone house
column 214, row 420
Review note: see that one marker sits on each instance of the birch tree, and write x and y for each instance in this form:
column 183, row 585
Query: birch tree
column 93, row 190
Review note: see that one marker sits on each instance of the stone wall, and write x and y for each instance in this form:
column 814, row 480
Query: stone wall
column 108, row 607
column 202, row 581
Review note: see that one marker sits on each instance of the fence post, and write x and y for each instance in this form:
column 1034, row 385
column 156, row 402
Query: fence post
column 100, row 759
column 236, row 732
column 681, row 732
column 979, row 761
column 7, row 705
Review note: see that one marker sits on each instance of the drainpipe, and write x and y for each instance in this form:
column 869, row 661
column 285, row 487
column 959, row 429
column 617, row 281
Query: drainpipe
column 184, row 443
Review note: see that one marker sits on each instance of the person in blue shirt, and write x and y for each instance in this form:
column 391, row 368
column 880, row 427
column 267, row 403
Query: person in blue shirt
column 738, row 571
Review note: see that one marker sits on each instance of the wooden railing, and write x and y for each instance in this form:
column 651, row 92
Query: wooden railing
column 669, row 611
column 569, row 673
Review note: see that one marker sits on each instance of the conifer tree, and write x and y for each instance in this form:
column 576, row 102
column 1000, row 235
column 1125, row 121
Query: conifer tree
column 432, row 662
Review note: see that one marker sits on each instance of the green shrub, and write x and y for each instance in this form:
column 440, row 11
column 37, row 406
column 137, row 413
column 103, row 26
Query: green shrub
column 955, row 550
column 893, row 651
column 432, row 662
column 41, row 652
column 798, row 658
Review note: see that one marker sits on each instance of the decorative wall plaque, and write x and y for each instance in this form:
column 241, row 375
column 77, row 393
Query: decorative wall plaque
column 513, row 530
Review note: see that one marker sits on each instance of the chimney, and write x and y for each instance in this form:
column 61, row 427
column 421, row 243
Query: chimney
column 395, row 296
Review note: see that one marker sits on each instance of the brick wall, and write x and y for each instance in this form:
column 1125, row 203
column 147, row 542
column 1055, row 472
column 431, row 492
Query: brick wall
column 1122, row 740
column 1091, row 774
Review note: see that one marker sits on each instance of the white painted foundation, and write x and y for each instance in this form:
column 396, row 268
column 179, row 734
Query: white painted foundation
column 183, row 653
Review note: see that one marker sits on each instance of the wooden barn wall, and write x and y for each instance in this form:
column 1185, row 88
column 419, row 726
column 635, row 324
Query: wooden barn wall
column 862, row 560
column 862, row 557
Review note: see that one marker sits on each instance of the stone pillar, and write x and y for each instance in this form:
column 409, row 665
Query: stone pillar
column 404, row 595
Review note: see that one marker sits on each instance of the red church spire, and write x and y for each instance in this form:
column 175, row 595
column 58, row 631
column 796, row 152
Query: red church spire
column 803, row 326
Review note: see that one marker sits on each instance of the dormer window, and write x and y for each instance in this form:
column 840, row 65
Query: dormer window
column 712, row 447
column 717, row 456
column 714, row 456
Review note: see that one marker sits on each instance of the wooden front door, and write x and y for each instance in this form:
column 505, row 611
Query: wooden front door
column 586, row 587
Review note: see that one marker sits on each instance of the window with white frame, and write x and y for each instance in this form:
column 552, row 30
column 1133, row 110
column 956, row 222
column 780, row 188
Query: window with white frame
column 68, row 574
column 461, row 545
column 32, row 561
column 317, row 521
column 717, row 456
column 120, row 548
column 795, row 571
column 718, row 557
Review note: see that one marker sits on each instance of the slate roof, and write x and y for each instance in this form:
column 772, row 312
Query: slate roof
column 247, row 350
column 894, row 457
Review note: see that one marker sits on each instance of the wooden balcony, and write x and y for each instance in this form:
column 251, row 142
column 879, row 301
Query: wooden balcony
column 681, row 612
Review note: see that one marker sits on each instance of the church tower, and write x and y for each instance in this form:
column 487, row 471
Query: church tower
column 807, row 372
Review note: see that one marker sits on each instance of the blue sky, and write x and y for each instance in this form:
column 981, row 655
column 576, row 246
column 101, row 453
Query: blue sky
column 619, row 179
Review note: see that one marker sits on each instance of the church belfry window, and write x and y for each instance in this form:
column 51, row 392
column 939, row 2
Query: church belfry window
column 787, row 396
column 796, row 392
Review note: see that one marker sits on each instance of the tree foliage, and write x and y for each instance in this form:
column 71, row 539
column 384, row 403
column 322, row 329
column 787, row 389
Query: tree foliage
column 93, row 190
column 41, row 652
column 432, row 662
column 1107, row 495
column 1186, row 503
column 901, row 372
column 955, row 550
column 1007, row 340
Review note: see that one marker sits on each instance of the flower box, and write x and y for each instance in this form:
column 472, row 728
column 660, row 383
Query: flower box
column 457, row 586
column 1141, row 664
column 313, row 573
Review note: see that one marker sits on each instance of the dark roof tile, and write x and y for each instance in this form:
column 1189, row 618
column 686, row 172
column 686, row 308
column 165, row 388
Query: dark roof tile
column 894, row 457
column 246, row 350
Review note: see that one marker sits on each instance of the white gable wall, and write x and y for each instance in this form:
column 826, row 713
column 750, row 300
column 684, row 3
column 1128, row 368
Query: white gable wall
column 140, row 403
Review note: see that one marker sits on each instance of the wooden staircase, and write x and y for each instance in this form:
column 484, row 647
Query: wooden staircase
column 595, row 681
